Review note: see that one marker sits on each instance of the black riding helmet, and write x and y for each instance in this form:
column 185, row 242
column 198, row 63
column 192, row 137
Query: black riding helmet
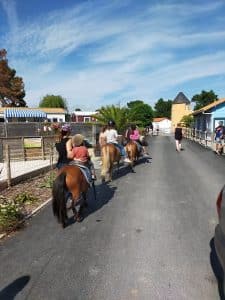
column 111, row 123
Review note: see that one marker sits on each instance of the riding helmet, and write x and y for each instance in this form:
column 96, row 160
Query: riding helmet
column 111, row 123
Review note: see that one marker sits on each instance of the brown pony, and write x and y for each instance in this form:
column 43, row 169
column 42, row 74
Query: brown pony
column 110, row 155
column 132, row 153
column 69, row 179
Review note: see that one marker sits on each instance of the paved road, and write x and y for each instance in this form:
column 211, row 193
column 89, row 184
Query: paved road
column 147, row 237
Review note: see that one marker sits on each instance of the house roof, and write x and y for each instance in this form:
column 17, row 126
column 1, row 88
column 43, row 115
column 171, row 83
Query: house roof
column 209, row 106
column 159, row 119
column 84, row 113
column 48, row 110
column 180, row 99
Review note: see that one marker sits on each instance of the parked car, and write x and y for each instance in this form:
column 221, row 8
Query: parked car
column 219, row 239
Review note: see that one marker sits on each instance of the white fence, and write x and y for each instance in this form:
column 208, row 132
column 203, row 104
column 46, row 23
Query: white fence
column 204, row 138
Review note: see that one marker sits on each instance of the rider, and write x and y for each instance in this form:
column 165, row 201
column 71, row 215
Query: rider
column 80, row 155
column 112, row 137
column 135, row 136
column 61, row 146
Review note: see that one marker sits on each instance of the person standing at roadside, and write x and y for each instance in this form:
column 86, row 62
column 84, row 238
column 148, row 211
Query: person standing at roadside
column 178, row 137
column 219, row 137
column 62, row 146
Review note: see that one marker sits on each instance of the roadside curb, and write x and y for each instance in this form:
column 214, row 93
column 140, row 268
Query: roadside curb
column 36, row 210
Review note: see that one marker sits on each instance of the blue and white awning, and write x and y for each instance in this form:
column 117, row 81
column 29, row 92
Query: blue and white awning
column 24, row 113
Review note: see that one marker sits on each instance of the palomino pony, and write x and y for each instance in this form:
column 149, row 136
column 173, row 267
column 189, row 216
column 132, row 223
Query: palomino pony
column 70, row 179
column 110, row 155
column 132, row 152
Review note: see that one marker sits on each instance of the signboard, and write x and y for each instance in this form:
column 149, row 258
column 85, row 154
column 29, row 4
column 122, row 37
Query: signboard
column 32, row 143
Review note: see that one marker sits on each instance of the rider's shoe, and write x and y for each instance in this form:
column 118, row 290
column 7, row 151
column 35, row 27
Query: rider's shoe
column 93, row 177
column 127, row 160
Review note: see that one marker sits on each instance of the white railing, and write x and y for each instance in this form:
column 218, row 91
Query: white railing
column 204, row 138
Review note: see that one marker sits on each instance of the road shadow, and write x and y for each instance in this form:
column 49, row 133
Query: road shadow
column 217, row 269
column 11, row 290
column 104, row 193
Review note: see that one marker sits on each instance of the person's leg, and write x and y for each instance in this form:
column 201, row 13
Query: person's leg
column 123, row 153
column 178, row 145
column 220, row 148
column 92, row 169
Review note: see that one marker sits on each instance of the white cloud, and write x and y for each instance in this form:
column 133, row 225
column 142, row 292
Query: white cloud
column 120, row 56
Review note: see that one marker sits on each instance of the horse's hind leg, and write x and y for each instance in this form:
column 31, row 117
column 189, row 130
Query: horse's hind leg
column 75, row 213
column 83, row 203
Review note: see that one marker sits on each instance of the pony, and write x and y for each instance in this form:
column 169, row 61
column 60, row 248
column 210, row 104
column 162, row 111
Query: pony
column 133, row 153
column 69, row 179
column 110, row 155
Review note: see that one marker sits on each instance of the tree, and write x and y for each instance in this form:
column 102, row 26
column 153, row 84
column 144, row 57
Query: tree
column 187, row 120
column 53, row 101
column 163, row 108
column 12, row 90
column 134, row 103
column 140, row 113
column 204, row 99
column 112, row 112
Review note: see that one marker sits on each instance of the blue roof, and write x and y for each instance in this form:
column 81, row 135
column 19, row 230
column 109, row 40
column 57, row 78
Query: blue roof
column 24, row 113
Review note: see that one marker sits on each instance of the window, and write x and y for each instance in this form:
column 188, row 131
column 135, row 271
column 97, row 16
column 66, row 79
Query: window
column 87, row 119
column 55, row 120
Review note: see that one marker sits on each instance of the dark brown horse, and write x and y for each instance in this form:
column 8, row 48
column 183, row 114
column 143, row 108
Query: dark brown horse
column 110, row 155
column 132, row 152
column 70, row 179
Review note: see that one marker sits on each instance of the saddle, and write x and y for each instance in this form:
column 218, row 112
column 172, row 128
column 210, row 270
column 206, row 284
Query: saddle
column 85, row 170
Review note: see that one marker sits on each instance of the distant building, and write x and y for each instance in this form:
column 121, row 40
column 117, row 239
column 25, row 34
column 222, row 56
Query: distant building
column 83, row 116
column 25, row 114
column 163, row 124
column 180, row 107
column 207, row 118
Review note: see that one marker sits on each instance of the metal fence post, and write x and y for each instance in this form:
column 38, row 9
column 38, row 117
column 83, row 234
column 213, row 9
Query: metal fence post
column 8, row 166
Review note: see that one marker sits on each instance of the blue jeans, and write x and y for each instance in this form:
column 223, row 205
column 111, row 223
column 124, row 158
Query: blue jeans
column 121, row 148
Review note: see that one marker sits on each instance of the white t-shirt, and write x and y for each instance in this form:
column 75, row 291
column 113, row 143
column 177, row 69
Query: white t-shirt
column 111, row 135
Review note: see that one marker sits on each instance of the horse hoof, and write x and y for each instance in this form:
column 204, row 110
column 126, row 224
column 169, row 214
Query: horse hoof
column 80, row 219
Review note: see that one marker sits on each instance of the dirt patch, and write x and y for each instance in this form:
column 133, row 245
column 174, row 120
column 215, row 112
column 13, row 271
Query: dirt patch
column 38, row 187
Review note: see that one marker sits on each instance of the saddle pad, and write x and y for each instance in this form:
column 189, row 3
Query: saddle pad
column 85, row 170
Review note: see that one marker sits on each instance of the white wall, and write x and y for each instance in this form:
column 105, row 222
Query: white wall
column 164, row 126
column 59, row 117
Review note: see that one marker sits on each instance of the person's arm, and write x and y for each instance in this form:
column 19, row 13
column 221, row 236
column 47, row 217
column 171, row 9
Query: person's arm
column 69, row 149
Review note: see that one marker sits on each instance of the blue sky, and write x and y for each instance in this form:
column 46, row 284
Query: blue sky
column 97, row 53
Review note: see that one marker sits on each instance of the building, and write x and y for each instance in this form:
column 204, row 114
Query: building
column 163, row 124
column 25, row 114
column 180, row 107
column 207, row 118
column 83, row 116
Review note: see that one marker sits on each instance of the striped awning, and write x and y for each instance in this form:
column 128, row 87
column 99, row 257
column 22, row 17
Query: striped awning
column 24, row 113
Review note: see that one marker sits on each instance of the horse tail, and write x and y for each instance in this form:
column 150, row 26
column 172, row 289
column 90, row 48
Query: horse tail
column 105, row 160
column 59, row 198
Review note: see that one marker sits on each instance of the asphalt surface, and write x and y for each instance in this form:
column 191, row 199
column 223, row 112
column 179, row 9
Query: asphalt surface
column 148, row 236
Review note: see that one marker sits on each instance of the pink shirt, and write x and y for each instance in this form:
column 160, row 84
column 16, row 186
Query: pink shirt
column 81, row 153
column 134, row 136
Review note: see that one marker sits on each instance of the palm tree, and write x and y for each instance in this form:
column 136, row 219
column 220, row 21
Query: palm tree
column 116, row 113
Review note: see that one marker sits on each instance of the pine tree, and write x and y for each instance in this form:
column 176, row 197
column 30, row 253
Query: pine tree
column 12, row 91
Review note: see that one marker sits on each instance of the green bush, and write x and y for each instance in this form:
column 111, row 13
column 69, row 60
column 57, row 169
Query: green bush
column 13, row 211
column 48, row 183
column 10, row 214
